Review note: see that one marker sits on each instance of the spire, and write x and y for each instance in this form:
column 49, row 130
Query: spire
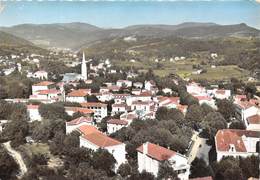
column 83, row 57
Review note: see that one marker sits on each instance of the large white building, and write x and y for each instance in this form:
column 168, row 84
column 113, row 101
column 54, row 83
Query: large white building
column 76, row 123
column 151, row 155
column 44, row 85
column 234, row 142
column 79, row 95
column 100, row 109
column 93, row 139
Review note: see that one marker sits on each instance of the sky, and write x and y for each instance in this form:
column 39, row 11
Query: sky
column 117, row 14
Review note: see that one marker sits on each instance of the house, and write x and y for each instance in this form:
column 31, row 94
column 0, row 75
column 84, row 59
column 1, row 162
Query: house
column 206, row 100
column 114, row 125
column 43, row 75
column 49, row 95
column 2, row 124
column 141, row 106
column 78, row 96
column 76, row 123
column 44, row 85
column 120, row 98
column 166, row 90
column 245, row 109
column 253, row 122
column 219, row 93
column 124, row 83
column 149, row 85
column 138, row 85
column 100, row 109
column 128, row 116
column 234, row 142
column 71, row 110
column 195, row 88
column 118, row 108
column 151, row 155
column 104, row 96
column 33, row 112
column 93, row 139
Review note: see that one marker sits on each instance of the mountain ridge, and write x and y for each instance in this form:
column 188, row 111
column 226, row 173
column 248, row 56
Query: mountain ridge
column 76, row 34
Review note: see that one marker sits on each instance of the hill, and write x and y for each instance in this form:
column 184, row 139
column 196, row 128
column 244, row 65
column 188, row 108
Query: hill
column 10, row 44
column 75, row 35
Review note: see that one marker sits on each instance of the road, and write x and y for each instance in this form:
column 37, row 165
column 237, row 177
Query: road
column 199, row 149
column 17, row 157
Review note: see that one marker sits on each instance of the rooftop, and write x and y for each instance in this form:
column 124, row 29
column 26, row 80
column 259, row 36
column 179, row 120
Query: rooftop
column 157, row 152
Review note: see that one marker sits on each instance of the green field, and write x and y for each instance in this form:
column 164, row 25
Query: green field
column 184, row 69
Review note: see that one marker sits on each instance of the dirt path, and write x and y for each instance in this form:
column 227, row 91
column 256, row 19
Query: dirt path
column 17, row 157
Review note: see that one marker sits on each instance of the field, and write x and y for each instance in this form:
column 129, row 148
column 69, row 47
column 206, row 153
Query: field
column 185, row 69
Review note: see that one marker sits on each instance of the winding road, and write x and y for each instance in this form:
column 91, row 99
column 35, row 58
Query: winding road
column 17, row 157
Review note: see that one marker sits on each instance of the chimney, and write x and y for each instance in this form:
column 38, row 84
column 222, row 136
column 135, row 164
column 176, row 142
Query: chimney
column 145, row 148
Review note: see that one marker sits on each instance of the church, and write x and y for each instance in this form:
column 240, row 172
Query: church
column 72, row 77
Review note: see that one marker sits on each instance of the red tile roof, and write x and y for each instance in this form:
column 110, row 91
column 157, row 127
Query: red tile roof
column 93, row 104
column 224, row 138
column 157, row 152
column 88, row 129
column 30, row 106
column 91, row 134
column 117, row 121
column 80, row 120
column 44, row 83
column 79, row 93
column 48, row 91
column 78, row 109
column 101, row 140
column 255, row 119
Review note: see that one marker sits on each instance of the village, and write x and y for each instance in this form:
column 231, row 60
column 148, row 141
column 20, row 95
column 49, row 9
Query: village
column 99, row 115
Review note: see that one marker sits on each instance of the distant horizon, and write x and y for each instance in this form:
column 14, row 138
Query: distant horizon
column 129, row 25
column 120, row 14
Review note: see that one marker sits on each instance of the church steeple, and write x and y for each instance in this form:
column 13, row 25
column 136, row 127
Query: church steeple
column 84, row 72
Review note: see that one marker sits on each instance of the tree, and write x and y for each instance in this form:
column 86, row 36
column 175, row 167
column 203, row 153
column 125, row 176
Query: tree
column 237, row 125
column 102, row 159
column 226, row 108
column 213, row 122
column 194, row 114
column 166, row 171
column 249, row 166
column 8, row 166
column 124, row 170
column 53, row 111
column 228, row 168
column 199, row 168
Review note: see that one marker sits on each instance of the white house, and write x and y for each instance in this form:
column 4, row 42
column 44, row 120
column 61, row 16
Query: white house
column 234, row 142
column 151, row 155
column 43, row 75
column 76, row 123
column 100, row 109
column 120, row 98
column 195, row 88
column 253, row 123
column 93, row 139
column 124, row 83
column 51, row 95
column 78, row 96
column 149, row 85
column 71, row 110
column 33, row 112
column 118, row 108
column 245, row 109
column 219, row 93
column 114, row 125
column 44, row 85
column 2, row 124
column 138, row 85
